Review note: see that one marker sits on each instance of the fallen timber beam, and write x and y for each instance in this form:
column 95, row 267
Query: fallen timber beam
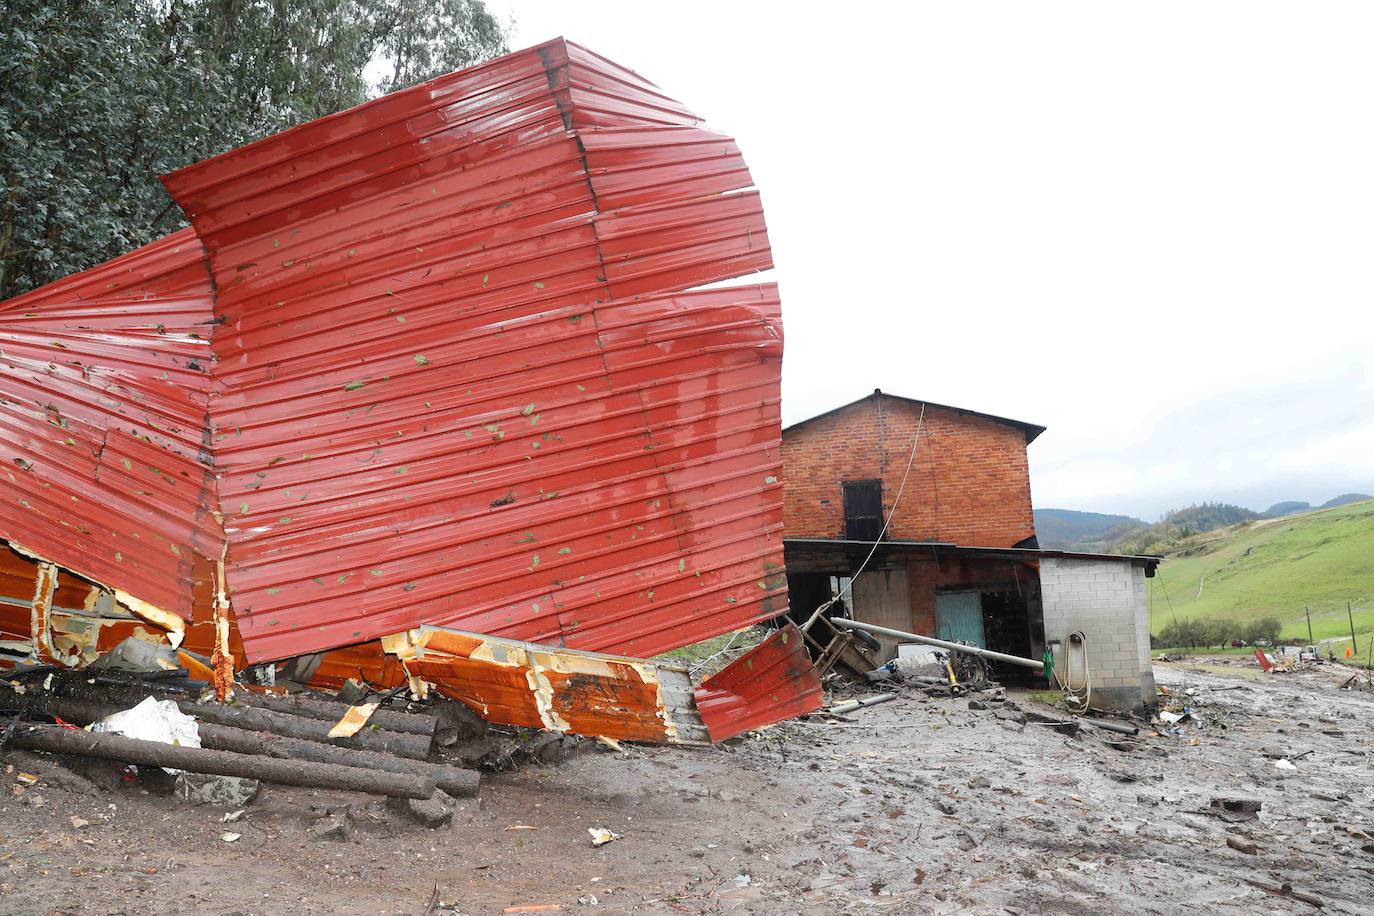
column 257, row 719
column 310, row 707
column 393, row 720
column 456, row 781
column 58, row 740
column 938, row 643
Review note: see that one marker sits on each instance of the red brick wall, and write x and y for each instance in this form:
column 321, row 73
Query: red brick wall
column 969, row 483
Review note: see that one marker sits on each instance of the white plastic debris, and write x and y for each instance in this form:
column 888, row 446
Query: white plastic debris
column 153, row 720
column 230, row 837
column 1283, row 763
column 134, row 654
column 601, row 836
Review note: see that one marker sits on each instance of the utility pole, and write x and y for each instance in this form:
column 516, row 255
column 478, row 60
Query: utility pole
column 1355, row 647
column 1308, row 612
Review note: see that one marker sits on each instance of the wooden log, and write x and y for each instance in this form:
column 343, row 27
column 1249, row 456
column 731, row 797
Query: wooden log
column 57, row 740
column 253, row 718
column 310, row 707
column 258, row 719
column 332, row 711
column 456, row 781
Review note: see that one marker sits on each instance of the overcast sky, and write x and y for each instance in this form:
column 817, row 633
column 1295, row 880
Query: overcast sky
column 1145, row 226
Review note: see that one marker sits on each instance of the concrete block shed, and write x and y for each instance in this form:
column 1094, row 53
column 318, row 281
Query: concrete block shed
column 1103, row 599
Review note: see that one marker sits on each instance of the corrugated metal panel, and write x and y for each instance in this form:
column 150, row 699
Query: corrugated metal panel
column 437, row 360
column 104, row 389
column 773, row 681
column 563, row 690
column 461, row 382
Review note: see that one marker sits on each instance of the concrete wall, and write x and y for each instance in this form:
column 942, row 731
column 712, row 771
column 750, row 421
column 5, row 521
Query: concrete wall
column 1105, row 600
column 969, row 483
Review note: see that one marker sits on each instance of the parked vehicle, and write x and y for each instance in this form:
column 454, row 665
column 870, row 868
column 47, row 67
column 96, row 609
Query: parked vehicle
column 1309, row 654
column 1237, row 644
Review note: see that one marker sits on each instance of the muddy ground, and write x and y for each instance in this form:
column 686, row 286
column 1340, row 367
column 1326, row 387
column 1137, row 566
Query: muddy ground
column 922, row 805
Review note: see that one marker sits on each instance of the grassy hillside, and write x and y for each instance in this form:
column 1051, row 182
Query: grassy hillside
column 1272, row 568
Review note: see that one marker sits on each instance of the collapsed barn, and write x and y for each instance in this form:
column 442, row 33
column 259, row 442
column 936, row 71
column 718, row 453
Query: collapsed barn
column 932, row 505
column 430, row 392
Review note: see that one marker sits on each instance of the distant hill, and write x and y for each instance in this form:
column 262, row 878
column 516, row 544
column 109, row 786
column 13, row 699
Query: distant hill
column 1069, row 529
column 1209, row 516
column 1291, row 507
column 1345, row 499
column 1276, row 568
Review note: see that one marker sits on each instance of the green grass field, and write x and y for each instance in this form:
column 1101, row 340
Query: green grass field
column 1273, row 568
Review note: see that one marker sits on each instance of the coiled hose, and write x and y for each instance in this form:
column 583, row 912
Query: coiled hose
column 1079, row 697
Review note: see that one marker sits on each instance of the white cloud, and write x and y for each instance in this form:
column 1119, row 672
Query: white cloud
column 1140, row 225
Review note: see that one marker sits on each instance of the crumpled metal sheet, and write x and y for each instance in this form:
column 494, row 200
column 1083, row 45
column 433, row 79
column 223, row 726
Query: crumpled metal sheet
column 562, row 690
column 105, row 379
column 461, row 388
column 773, row 681
column 442, row 359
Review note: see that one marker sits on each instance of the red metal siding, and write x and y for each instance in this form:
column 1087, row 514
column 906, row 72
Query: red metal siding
column 461, row 384
column 105, row 380
column 773, row 681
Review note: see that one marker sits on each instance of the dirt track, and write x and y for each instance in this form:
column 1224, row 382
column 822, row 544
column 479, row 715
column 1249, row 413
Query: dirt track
column 915, row 806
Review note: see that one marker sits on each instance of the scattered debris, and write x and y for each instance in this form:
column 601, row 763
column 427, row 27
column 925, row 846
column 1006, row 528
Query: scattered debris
column 336, row 826
column 152, row 720
column 230, row 837
column 353, row 720
column 1237, row 809
column 601, row 836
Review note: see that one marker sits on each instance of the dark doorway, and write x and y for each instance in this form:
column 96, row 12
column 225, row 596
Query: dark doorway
column 1007, row 629
column 863, row 510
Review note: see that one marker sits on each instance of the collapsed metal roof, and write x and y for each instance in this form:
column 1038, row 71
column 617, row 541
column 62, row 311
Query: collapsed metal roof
column 438, row 360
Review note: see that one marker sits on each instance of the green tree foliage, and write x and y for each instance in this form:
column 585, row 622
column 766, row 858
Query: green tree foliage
column 1216, row 632
column 1267, row 628
column 102, row 96
column 1209, row 516
column 1179, row 525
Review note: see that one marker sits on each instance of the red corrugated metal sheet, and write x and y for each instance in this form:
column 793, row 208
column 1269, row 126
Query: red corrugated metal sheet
column 462, row 388
column 104, row 390
column 438, row 359
column 773, row 681
column 563, row 690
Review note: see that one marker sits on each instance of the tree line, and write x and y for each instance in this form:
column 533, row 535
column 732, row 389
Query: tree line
column 102, row 96
column 1210, row 632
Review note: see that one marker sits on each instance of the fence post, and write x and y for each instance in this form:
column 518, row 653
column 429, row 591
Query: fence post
column 1354, row 646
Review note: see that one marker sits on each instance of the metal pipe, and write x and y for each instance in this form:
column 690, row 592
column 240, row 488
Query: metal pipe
column 938, row 643
column 851, row 705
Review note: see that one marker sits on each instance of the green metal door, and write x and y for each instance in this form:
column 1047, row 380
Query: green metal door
column 959, row 617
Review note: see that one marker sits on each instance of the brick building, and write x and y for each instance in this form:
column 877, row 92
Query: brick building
column 959, row 558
